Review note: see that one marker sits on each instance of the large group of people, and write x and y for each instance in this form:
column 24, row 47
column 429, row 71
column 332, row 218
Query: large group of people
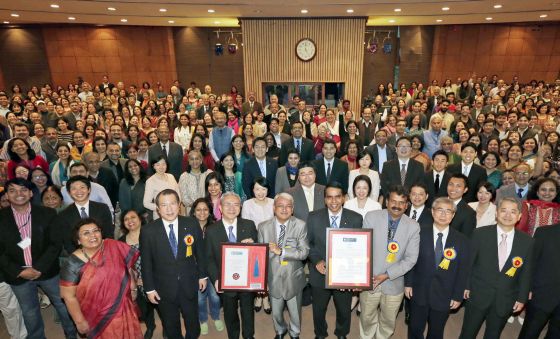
column 114, row 198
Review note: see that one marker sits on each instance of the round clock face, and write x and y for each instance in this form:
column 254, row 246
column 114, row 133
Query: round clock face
column 306, row 49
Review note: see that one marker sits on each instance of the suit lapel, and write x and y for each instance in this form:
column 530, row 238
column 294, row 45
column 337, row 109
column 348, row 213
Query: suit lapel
column 182, row 233
column 515, row 249
column 430, row 248
column 163, row 237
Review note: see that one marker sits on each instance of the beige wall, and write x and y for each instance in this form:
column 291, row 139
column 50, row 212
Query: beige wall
column 269, row 53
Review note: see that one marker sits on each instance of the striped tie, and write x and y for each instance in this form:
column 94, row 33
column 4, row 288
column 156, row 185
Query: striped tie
column 281, row 236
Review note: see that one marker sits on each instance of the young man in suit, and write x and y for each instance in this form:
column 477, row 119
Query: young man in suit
column 436, row 180
column 303, row 145
column 171, row 150
column 308, row 195
column 418, row 210
column 173, row 275
column 329, row 168
column 436, row 284
column 97, row 193
column 30, row 251
column 402, row 170
column 259, row 166
column 544, row 306
column 380, row 152
column 288, row 248
column 500, row 273
column 465, row 221
column 231, row 228
column 475, row 174
column 333, row 216
column 395, row 251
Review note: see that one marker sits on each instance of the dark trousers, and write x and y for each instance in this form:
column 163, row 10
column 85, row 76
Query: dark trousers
column 342, row 304
column 171, row 310
column 420, row 315
column 245, row 302
column 474, row 317
column 146, row 311
column 535, row 321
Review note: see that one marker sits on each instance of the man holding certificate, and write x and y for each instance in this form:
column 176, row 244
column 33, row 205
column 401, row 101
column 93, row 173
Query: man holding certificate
column 287, row 239
column 234, row 230
column 334, row 216
column 396, row 240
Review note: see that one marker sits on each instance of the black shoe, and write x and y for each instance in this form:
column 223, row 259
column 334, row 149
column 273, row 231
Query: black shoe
column 406, row 318
column 281, row 336
column 149, row 333
column 320, row 337
column 358, row 313
column 294, row 337
column 341, row 337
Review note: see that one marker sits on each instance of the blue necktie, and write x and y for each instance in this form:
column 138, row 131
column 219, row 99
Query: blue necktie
column 83, row 214
column 172, row 240
column 439, row 249
column 298, row 146
column 333, row 221
column 231, row 236
column 520, row 192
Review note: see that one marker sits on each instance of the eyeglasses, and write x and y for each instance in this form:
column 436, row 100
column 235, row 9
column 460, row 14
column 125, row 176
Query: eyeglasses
column 37, row 177
column 443, row 211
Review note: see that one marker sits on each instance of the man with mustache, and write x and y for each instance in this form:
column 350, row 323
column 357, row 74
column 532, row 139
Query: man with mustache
column 395, row 251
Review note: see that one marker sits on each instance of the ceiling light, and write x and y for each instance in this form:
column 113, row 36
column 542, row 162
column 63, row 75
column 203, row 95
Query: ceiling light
column 124, row 20
column 497, row 6
column 211, row 11
column 488, row 18
column 445, row 8
column 15, row 15
column 397, row 9
column 349, row 10
column 55, row 6
column 543, row 15
column 111, row 9
column 391, row 21
column 71, row 18
column 163, row 10
column 217, row 22
column 439, row 20
column 171, row 21
column 304, row 11
column 6, row 22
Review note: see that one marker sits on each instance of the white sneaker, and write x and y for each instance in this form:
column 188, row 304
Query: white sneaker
column 511, row 319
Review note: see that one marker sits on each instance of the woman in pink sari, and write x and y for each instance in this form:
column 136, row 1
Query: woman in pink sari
column 98, row 286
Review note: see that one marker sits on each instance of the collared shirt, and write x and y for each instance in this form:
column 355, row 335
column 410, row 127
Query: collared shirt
column 86, row 208
column 234, row 224
column 23, row 222
column 262, row 166
column 175, row 228
column 509, row 239
column 327, row 162
column 405, row 163
column 296, row 141
column 278, row 139
column 456, row 202
column 524, row 188
column 466, row 169
column 392, row 226
column 445, row 233
column 435, row 173
column 166, row 144
column 309, row 193
column 382, row 153
column 98, row 194
column 338, row 217
column 277, row 224
column 418, row 210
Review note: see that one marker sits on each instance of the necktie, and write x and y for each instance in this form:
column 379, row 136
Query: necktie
column 465, row 173
column 172, row 241
column 164, row 150
column 520, row 192
column 328, row 171
column 281, row 236
column 436, row 184
column 83, row 213
column 309, row 199
column 263, row 168
column 414, row 215
column 502, row 251
column 231, row 236
column 333, row 221
column 298, row 146
column 403, row 173
column 439, row 249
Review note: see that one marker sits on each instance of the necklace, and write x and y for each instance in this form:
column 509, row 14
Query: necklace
column 93, row 261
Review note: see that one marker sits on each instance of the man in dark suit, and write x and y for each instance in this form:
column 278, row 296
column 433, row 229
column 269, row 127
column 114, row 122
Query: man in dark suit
column 366, row 127
column 500, row 273
column 402, row 170
column 330, row 169
column 303, row 145
column 465, row 220
column 101, row 175
column 544, row 306
column 114, row 162
column 79, row 188
column 172, row 271
column 380, row 152
column 437, row 282
column 523, row 128
column 204, row 108
column 169, row 149
column 436, row 180
column 29, row 257
column 522, row 173
column 106, row 84
column 418, row 210
column 117, row 138
column 231, row 228
column 251, row 105
column 334, row 216
column 259, row 166
column 475, row 174
column 308, row 195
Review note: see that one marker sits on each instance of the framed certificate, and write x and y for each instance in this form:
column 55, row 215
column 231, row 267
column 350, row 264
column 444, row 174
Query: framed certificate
column 244, row 267
column 349, row 252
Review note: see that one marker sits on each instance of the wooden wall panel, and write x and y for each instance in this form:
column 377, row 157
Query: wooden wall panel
column 269, row 53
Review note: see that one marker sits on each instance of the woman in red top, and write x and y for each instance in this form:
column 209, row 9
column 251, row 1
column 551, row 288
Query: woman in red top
column 21, row 153
column 542, row 207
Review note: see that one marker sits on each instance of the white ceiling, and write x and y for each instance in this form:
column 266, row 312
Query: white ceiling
column 227, row 12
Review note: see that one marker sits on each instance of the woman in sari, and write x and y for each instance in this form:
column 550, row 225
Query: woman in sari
column 96, row 285
column 542, row 207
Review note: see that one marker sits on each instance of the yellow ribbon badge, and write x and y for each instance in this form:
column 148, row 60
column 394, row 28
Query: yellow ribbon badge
column 449, row 254
column 393, row 248
column 515, row 263
column 189, row 241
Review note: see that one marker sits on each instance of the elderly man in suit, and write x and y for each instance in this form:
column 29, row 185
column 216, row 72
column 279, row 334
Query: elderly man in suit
column 308, row 195
column 465, row 221
column 395, row 251
column 500, row 273
column 520, row 188
column 287, row 239
column 333, row 216
column 402, row 170
column 475, row 174
column 169, row 149
column 436, row 283
column 380, row 152
column 329, row 168
column 251, row 105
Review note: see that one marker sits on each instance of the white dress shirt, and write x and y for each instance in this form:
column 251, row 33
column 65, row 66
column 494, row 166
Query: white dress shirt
column 327, row 166
column 418, row 210
column 445, row 233
column 509, row 239
column 466, row 169
column 234, row 224
column 175, row 228
column 339, row 216
column 309, row 196
column 86, row 208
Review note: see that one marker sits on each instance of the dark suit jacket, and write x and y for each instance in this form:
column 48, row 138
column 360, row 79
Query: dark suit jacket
column 487, row 285
column 45, row 247
column 546, row 278
column 339, row 172
column 374, row 152
column 433, row 286
column 161, row 271
column 251, row 170
column 429, row 181
column 246, row 107
column 70, row 216
column 317, row 223
column 425, row 218
column 464, row 220
column 477, row 175
column 50, row 151
column 307, row 152
column 216, row 235
column 391, row 174
column 107, row 179
column 301, row 210
column 201, row 111
column 174, row 157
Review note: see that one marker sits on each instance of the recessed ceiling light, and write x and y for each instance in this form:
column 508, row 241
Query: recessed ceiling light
column 439, row 20
column 71, row 18
column 543, row 15
column 163, row 10
column 497, row 6
column 349, row 10
column 124, row 20
column 304, row 11
column 211, row 11
column 445, row 8
column 55, row 6
column 391, row 21
column 488, row 18
column 15, row 15
column 171, row 21
column 6, row 22
column 111, row 9
column 217, row 22
column 397, row 9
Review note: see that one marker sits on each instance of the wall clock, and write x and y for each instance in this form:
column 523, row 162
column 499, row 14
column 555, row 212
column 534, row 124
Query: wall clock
column 306, row 49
